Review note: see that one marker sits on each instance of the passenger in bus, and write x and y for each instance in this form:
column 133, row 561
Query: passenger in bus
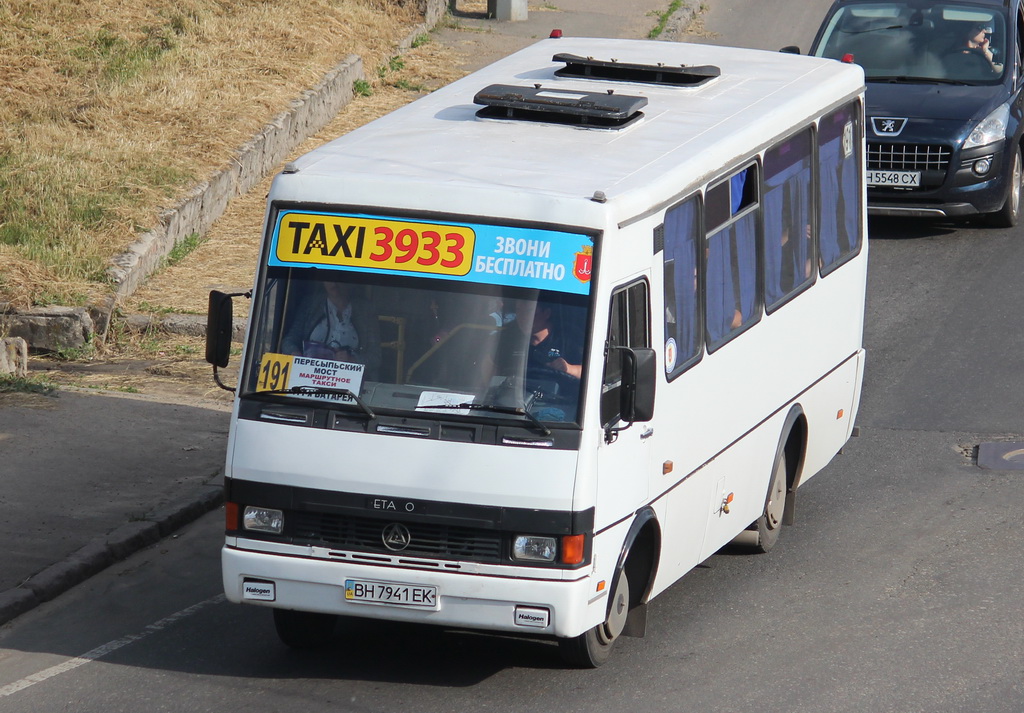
column 332, row 323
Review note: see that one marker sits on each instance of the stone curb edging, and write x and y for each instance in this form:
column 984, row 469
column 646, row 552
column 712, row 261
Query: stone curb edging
column 105, row 551
column 62, row 328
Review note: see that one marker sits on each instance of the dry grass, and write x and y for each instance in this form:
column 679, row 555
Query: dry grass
column 108, row 113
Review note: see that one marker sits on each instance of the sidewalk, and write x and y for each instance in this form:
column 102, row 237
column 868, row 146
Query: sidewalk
column 87, row 479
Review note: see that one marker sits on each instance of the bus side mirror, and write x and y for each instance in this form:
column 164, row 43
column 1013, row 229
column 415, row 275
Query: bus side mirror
column 219, row 325
column 639, row 377
column 790, row 49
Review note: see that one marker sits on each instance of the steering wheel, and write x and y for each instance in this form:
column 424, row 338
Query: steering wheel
column 968, row 63
column 566, row 385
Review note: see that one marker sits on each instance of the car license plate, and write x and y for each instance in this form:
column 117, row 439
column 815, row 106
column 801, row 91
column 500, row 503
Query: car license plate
column 899, row 179
column 363, row 591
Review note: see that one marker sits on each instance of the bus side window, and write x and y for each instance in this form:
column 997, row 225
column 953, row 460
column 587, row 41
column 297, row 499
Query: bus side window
column 839, row 134
column 788, row 248
column 628, row 326
column 684, row 328
column 731, row 274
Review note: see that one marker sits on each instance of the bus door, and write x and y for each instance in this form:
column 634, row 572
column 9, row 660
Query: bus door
column 624, row 459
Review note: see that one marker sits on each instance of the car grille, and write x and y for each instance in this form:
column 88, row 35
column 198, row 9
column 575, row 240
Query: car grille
column 908, row 157
column 365, row 535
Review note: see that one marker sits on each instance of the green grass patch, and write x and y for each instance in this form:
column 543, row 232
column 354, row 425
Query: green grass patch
column 406, row 85
column 183, row 248
column 82, row 353
column 362, row 88
column 118, row 60
column 663, row 19
column 32, row 384
column 395, row 64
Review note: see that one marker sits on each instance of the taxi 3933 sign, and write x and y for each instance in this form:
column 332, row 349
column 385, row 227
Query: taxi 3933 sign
column 374, row 243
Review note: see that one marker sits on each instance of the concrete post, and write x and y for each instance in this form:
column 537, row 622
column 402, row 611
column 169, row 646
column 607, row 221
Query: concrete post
column 508, row 10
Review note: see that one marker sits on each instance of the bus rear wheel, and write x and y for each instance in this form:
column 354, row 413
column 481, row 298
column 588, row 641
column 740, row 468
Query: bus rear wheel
column 769, row 525
column 764, row 532
column 303, row 629
column 593, row 647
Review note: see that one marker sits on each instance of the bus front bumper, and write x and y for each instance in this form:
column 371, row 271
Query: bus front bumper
column 536, row 607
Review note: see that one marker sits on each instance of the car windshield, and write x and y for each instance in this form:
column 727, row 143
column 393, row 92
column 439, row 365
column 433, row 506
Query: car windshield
column 911, row 42
column 505, row 339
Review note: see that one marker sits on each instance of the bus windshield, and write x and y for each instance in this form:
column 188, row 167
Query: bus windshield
column 420, row 345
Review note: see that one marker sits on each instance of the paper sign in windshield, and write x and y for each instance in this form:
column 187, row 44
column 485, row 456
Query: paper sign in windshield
column 281, row 372
column 446, row 400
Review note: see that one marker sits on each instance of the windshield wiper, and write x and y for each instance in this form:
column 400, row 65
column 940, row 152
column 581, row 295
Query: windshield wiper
column 918, row 80
column 872, row 29
column 493, row 408
column 321, row 391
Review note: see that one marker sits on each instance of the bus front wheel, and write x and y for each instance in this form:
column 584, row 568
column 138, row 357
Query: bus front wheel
column 303, row 629
column 593, row 647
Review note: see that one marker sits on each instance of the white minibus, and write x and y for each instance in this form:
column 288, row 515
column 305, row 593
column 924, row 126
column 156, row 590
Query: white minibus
column 524, row 352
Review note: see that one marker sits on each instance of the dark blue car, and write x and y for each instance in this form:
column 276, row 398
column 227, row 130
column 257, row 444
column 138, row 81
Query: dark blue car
column 943, row 107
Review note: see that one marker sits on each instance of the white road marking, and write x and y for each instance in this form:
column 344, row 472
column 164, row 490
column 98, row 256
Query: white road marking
column 101, row 651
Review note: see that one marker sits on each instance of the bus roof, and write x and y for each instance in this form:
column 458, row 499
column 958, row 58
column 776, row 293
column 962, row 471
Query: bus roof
column 437, row 154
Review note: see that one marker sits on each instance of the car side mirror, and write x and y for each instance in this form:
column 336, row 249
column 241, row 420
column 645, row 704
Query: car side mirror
column 790, row 49
column 636, row 389
column 639, row 370
column 219, row 325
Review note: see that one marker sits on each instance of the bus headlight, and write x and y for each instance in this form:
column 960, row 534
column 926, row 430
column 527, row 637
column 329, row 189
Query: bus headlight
column 263, row 519
column 534, row 548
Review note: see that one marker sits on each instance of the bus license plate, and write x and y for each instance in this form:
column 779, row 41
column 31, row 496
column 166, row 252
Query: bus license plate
column 364, row 591
column 899, row 179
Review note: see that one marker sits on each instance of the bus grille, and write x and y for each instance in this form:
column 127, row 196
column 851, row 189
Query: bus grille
column 908, row 157
column 366, row 535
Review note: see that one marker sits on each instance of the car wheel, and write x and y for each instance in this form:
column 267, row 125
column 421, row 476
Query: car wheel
column 1009, row 215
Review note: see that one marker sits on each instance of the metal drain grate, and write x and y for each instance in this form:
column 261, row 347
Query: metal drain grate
column 1001, row 456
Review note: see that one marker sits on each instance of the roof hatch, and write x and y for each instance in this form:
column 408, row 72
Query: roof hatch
column 605, row 110
column 661, row 74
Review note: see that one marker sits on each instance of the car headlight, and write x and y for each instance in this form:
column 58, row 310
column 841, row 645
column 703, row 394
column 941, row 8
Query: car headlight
column 263, row 519
column 990, row 129
column 534, row 548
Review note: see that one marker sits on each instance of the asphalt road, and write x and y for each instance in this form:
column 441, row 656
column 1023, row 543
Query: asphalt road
column 896, row 591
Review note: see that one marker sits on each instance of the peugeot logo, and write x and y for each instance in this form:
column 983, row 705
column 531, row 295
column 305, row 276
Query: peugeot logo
column 888, row 125
column 396, row 537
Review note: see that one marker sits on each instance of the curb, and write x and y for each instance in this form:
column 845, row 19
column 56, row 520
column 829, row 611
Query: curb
column 104, row 551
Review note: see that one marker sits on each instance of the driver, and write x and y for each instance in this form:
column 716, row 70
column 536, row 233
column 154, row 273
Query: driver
column 979, row 40
column 548, row 346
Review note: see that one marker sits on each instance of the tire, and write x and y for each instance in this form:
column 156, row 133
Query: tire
column 304, row 630
column 1009, row 215
column 594, row 647
column 768, row 527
